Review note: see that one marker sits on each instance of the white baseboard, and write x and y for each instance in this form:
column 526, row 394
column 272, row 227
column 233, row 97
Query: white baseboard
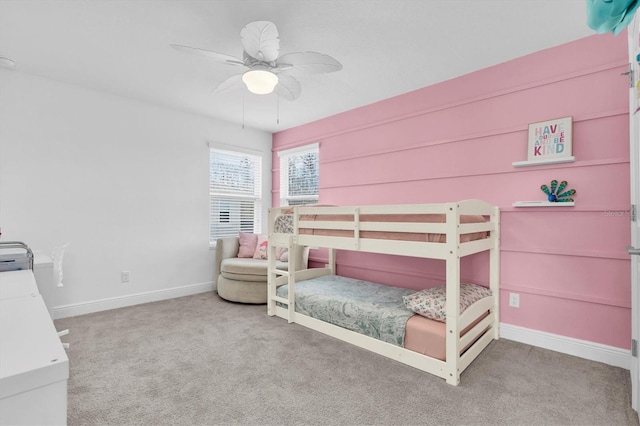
column 581, row 348
column 129, row 300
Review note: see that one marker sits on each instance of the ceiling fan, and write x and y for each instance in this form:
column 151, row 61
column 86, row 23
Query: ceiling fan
column 264, row 71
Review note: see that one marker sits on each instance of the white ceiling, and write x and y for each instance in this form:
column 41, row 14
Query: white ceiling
column 386, row 47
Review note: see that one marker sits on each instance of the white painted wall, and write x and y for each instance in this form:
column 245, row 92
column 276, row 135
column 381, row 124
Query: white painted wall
column 125, row 182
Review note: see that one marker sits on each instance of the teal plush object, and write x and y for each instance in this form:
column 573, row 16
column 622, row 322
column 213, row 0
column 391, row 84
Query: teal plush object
column 555, row 194
column 610, row 15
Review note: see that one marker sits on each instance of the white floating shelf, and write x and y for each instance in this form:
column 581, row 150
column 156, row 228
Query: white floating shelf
column 543, row 204
column 543, row 162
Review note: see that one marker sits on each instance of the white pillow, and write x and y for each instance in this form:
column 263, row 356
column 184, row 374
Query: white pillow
column 261, row 247
column 432, row 302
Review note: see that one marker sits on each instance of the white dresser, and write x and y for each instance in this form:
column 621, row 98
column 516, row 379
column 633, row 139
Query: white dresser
column 34, row 367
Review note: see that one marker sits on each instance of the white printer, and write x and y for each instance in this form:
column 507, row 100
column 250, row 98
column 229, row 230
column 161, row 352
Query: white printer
column 15, row 256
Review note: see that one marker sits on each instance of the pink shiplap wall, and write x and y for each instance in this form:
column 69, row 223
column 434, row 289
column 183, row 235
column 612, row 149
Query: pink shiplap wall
column 457, row 139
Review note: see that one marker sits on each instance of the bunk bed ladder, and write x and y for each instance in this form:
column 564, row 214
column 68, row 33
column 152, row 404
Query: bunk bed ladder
column 272, row 271
column 271, row 280
column 275, row 275
column 291, row 294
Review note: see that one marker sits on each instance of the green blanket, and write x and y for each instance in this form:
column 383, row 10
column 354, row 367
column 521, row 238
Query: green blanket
column 371, row 309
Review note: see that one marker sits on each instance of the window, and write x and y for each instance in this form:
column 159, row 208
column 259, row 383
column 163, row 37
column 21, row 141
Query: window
column 235, row 191
column 299, row 175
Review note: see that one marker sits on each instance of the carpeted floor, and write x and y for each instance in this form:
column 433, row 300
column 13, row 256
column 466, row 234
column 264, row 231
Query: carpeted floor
column 199, row 360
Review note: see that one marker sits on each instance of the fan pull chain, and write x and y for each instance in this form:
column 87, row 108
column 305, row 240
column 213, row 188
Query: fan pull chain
column 277, row 109
column 243, row 109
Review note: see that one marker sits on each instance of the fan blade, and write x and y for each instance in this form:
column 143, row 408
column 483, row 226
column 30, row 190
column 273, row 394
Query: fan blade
column 260, row 40
column 288, row 87
column 310, row 62
column 232, row 82
column 220, row 57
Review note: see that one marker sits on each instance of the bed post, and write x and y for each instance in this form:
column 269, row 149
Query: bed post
column 494, row 271
column 331, row 262
column 271, row 269
column 453, row 294
column 293, row 267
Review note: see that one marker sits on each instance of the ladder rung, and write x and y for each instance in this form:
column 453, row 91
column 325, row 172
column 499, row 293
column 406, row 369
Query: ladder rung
column 280, row 299
column 282, row 272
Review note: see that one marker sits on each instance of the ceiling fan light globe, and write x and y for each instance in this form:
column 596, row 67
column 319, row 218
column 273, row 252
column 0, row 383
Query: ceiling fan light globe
column 260, row 82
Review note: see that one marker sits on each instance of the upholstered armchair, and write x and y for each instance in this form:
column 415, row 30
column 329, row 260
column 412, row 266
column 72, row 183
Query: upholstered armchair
column 244, row 280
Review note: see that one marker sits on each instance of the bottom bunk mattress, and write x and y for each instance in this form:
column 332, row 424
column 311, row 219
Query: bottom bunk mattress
column 374, row 310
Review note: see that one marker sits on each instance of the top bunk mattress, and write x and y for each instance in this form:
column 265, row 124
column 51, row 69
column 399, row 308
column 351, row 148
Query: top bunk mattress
column 284, row 225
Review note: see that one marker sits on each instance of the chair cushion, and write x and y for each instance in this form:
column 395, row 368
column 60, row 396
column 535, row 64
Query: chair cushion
column 247, row 269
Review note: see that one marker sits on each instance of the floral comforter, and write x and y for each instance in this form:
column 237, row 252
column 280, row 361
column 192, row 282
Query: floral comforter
column 283, row 224
column 371, row 309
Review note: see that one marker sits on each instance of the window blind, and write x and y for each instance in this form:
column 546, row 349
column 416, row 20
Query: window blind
column 235, row 191
column 299, row 176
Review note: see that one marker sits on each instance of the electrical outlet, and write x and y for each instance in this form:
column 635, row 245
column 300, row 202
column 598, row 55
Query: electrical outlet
column 124, row 276
column 514, row 300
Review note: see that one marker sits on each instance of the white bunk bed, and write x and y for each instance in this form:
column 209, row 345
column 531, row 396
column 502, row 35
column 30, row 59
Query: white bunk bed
column 364, row 229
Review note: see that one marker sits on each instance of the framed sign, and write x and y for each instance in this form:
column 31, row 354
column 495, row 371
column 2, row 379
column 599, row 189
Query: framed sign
column 550, row 139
